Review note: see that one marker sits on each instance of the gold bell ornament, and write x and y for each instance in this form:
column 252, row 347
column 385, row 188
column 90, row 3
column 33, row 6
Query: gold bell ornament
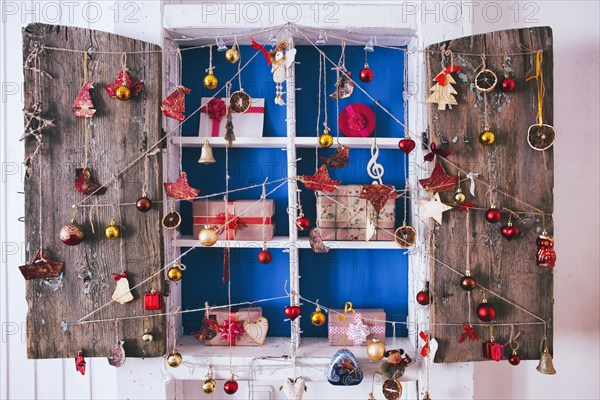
column 375, row 349
column 545, row 366
column 325, row 140
column 174, row 359
column 208, row 236
column 209, row 385
column 317, row 317
column 206, row 156
column 232, row 55
column 175, row 273
column 112, row 231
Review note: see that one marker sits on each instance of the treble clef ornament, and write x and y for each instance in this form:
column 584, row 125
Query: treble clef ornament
column 374, row 169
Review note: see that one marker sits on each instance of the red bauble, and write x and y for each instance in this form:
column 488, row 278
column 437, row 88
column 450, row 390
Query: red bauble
column 492, row 215
column 509, row 231
column 231, row 386
column 507, row 85
column 302, row 223
column 265, row 257
column 143, row 204
column 468, row 283
column 514, row 359
column 71, row 234
column 486, row 312
column 366, row 74
column 423, row 297
column 406, row 145
column 292, row 312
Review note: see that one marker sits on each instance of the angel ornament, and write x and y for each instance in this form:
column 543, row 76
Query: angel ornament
column 281, row 58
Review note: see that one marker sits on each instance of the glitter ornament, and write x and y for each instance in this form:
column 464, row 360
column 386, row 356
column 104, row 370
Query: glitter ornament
column 545, row 256
column 72, row 233
column 112, row 231
column 231, row 386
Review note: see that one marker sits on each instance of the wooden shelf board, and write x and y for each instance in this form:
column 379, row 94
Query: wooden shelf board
column 282, row 242
column 281, row 142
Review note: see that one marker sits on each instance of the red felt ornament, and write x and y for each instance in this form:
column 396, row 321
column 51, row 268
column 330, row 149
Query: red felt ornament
column 292, row 312
column 86, row 184
column 509, row 231
column 265, row 256
column 545, row 256
column 231, row 386
column 339, row 159
column 174, row 105
column 320, row 181
column 41, row 267
column 439, row 181
column 123, row 80
column 507, row 85
column 302, row 222
column 493, row 215
column 378, row 195
column 80, row 363
column 82, row 106
column 406, row 145
column 366, row 74
column 180, row 189
column 485, row 311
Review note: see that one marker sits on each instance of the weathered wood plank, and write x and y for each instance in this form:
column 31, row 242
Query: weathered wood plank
column 507, row 268
column 121, row 131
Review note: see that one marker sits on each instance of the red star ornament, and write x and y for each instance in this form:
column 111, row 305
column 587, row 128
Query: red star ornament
column 320, row 181
column 174, row 105
column 339, row 159
column 41, row 267
column 180, row 189
column 378, row 195
column 439, row 181
column 123, row 79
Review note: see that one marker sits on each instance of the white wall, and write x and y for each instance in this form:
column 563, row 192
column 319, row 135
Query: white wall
column 576, row 91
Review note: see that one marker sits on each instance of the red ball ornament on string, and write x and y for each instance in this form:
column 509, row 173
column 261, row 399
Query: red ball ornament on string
column 507, row 85
column 143, row 204
column 423, row 297
column 231, row 386
column 265, row 257
column 468, row 283
column 366, row 74
column 71, row 234
column 492, row 215
column 302, row 223
column 514, row 359
column 485, row 311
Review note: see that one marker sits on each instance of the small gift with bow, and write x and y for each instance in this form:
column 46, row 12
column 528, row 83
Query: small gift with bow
column 238, row 328
column 239, row 220
column 356, row 328
column 212, row 118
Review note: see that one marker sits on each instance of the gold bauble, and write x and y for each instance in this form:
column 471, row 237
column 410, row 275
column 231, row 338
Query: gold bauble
column 147, row 337
column 174, row 274
column 459, row 196
column 375, row 349
column 123, row 93
column 112, row 231
column 208, row 236
column 325, row 140
column 174, row 360
column 317, row 317
column 487, row 138
column 210, row 81
column 209, row 386
column 232, row 55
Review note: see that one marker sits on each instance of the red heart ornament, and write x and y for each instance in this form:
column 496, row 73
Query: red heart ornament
column 509, row 232
column 406, row 145
column 292, row 312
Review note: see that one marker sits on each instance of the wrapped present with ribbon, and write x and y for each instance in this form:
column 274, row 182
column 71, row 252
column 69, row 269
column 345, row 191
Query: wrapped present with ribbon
column 344, row 332
column 232, row 327
column 492, row 350
column 343, row 215
column 248, row 124
column 239, row 220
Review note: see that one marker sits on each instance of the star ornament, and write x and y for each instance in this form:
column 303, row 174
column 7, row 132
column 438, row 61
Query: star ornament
column 339, row 159
column 439, row 181
column 433, row 208
column 378, row 195
column 41, row 267
column 320, row 181
column 180, row 189
column 174, row 105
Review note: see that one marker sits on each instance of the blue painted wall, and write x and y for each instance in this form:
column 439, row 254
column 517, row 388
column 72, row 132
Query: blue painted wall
column 368, row 278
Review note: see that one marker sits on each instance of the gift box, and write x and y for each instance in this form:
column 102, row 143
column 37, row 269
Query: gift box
column 342, row 215
column 231, row 327
column 254, row 216
column 248, row 124
column 338, row 329
column 492, row 350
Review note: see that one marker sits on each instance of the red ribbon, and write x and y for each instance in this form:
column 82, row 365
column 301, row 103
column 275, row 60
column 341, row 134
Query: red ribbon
column 425, row 337
column 116, row 277
column 231, row 329
column 435, row 151
column 470, row 331
column 232, row 221
column 257, row 46
column 465, row 207
column 215, row 109
column 441, row 77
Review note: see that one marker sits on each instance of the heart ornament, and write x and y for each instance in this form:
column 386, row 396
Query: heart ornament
column 294, row 388
column 406, row 145
column 257, row 331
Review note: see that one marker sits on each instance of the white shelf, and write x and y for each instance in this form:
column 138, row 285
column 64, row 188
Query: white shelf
column 283, row 242
column 281, row 142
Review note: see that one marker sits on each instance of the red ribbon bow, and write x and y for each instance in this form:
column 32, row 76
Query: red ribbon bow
column 229, row 224
column 465, row 207
column 437, row 152
column 425, row 337
column 116, row 277
column 230, row 330
column 257, row 46
column 470, row 331
column 215, row 109
column 441, row 77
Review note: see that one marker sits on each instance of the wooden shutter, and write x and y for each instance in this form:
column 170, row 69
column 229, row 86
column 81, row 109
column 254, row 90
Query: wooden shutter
column 507, row 268
column 121, row 132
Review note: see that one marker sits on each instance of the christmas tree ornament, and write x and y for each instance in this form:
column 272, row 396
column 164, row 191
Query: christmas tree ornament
column 514, row 358
column 41, row 267
column 436, row 151
column 174, row 359
column 302, row 222
column 210, row 81
column 344, row 369
column 439, row 181
column 339, row 159
column 395, row 364
column 231, row 386
column 392, row 389
column 493, row 215
column 357, row 120
column 320, row 181
column 80, row 363
column 509, row 231
column 423, row 297
column 72, row 233
column 540, row 136
column 294, row 389
column 232, row 55
column 175, row 272
column 122, row 294
column 82, row 106
column 406, row 145
column 171, row 220
column 153, row 300
column 209, row 386
column 206, row 155
column 375, row 349
column 487, row 138
column 443, row 92
column 86, row 184
column 265, row 257
column 325, row 139
column 118, row 357
column 180, row 189
column 433, row 208
column 292, row 312
column 378, row 195
column 545, row 256
column 124, row 88
column 143, row 204
column 174, row 105
column 208, row 236
column 485, row 311
column 257, row 330
column 545, row 366
column 113, row 230
column 147, row 337
column 467, row 282
column 317, row 318
column 366, row 74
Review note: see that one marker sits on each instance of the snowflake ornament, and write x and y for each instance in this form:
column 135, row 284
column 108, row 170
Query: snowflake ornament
column 357, row 331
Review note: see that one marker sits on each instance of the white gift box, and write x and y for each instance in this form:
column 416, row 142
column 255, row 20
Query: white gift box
column 249, row 124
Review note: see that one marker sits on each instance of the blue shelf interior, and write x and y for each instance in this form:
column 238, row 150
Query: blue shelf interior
column 368, row 278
